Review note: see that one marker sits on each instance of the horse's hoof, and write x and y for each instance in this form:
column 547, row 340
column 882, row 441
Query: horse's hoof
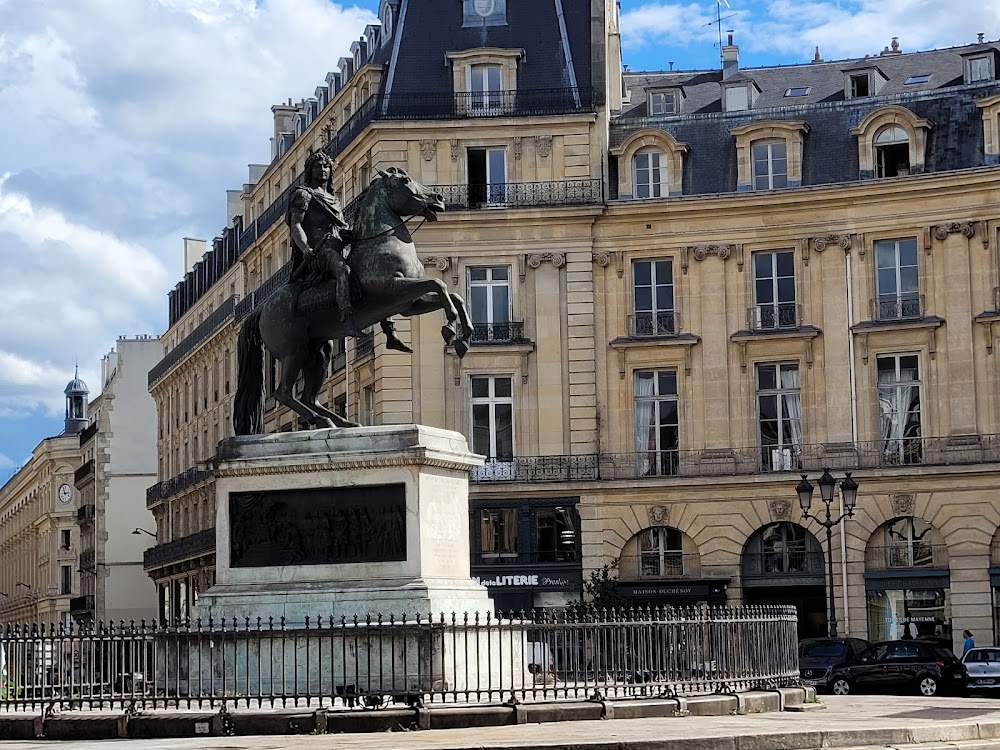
column 448, row 334
column 461, row 347
column 394, row 343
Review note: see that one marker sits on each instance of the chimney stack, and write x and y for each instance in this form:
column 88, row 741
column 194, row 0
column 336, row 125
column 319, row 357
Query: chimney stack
column 816, row 57
column 730, row 59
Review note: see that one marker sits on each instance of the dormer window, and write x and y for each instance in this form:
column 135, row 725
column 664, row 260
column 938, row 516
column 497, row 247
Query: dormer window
column 863, row 82
column 979, row 69
column 737, row 99
column 892, row 152
column 663, row 103
column 860, row 85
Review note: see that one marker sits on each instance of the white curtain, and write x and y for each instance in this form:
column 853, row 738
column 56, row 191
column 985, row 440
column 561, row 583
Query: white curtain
column 894, row 400
column 793, row 405
column 645, row 423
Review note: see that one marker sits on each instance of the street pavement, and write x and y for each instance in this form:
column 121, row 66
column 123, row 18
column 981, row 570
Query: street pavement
column 847, row 721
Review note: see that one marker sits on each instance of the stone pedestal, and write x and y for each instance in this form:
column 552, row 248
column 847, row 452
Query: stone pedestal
column 343, row 523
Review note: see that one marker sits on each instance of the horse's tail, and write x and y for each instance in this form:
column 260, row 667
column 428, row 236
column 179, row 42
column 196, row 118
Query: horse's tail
column 248, row 406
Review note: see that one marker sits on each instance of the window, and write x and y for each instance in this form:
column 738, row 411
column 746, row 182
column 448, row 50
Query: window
column 556, row 534
column 66, row 582
column 784, row 549
column 498, row 535
column 917, row 79
column 663, row 103
column 479, row 13
column 487, row 177
column 368, row 405
column 485, row 89
column 656, row 422
column 737, row 99
column 779, row 416
column 979, row 69
column 661, row 553
column 897, row 280
column 340, row 405
column 860, row 85
column 653, row 293
column 650, row 174
column 899, row 408
column 799, row 91
column 67, row 539
column 774, row 291
column 892, row 152
column 770, row 165
column 493, row 417
column 489, row 296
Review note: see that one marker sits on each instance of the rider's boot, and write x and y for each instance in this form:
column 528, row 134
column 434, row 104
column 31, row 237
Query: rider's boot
column 346, row 310
column 391, row 340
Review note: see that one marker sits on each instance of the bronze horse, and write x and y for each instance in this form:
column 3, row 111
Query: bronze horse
column 297, row 323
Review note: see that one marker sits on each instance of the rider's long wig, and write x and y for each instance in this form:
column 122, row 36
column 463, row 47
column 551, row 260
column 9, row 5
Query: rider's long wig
column 319, row 157
column 248, row 404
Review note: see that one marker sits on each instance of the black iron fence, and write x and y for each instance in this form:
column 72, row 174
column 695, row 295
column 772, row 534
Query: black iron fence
column 774, row 316
column 520, row 103
column 215, row 320
column 170, row 487
column 346, row 664
column 651, row 325
column 902, row 307
column 521, row 194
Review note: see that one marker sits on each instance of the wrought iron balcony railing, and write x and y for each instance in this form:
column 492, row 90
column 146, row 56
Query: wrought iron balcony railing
column 659, row 565
column 654, row 325
column 87, row 559
column 199, row 543
column 537, row 469
column 521, row 194
column 259, row 296
column 782, row 564
column 500, row 558
column 902, row 307
column 904, row 556
column 520, row 103
column 86, row 513
column 84, row 471
column 88, row 433
column 774, row 317
column 510, row 332
column 170, row 487
column 215, row 320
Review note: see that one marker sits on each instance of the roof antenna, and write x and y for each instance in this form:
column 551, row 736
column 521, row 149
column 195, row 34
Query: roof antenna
column 671, row 64
column 718, row 23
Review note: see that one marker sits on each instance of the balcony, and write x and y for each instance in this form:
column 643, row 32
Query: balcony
column 659, row 566
column 175, row 485
column 654, row 325
column 785, row 564
column 82, row 605
column 260, row 295
column 88, row 433
column 522, row 194
column 88, row 558
column 199, row 543
column 776, row 317
column 537, row 469
column 907, row 557
column 894, row 309
column 364, row 345
column 83, row 472
column 544, row 557
column 498, row 333
column 86, row 513
column 461, row 105
column 215, row 320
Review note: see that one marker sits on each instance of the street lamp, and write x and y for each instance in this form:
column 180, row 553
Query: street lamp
column 827, row 489
column 143, row 531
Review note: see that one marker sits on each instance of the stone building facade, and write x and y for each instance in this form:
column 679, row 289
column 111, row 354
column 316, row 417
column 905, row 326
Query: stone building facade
column 688, row 288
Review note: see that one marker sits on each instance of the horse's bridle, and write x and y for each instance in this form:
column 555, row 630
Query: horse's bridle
column 390, row 230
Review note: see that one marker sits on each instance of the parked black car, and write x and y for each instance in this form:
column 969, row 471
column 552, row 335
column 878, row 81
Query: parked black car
column 818, row 657
column 925, row 667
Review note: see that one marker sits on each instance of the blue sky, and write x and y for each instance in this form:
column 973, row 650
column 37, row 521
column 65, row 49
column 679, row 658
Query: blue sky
column 113, row 154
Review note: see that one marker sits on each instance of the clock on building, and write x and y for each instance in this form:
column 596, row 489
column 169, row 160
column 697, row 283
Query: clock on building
column 65, row 493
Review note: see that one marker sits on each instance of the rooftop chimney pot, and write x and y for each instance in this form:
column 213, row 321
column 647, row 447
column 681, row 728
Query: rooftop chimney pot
column 980, row 36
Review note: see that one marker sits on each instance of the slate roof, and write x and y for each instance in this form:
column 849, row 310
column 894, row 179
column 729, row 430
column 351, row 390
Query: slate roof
column 830, row 152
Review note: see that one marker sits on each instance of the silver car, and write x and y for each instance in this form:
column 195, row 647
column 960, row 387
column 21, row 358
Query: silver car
column 984, row 668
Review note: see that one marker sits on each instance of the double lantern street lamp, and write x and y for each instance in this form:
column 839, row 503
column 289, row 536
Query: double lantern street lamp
column 827, row 490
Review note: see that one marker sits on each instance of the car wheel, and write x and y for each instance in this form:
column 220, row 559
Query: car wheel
column 841, row 686
column 927, row 685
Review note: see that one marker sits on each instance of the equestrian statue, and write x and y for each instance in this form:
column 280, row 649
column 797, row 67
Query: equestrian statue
column 329, row 296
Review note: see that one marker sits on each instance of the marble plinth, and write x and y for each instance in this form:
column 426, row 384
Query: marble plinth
column 413, row 557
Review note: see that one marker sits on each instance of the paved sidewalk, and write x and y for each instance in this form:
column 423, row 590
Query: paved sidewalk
column 849, row 721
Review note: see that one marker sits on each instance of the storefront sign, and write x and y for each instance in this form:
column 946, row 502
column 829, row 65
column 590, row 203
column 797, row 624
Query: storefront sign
column 533, row 580
column 902, row 583
column 686, row 590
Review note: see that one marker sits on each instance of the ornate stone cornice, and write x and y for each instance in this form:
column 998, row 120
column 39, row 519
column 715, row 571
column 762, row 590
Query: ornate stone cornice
column 251, row 468
column 604, row 258
column 428, row 148
column 535, row 260
column 700, row 252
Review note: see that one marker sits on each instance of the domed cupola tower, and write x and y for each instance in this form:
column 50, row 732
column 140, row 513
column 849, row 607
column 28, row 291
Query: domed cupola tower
column 76, row 404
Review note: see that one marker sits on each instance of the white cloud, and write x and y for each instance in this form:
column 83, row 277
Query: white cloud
column 124, row 123
column 6, row 462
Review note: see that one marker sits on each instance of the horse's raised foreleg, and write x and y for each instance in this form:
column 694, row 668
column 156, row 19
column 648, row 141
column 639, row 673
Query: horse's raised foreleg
column 406, row 291
column 462, row 342
column 313, row 371
column 291, row 366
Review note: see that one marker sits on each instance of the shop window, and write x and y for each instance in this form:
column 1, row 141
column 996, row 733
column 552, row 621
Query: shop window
column 910, row 613
column 498, row 535
column 892, row 152
column 899, row 408
column 653, row 298
column 779, row 415
column 556, row 534
column 657, row 434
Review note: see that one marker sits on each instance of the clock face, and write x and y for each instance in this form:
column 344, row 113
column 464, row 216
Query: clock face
column 485, row 8
column 65, row 493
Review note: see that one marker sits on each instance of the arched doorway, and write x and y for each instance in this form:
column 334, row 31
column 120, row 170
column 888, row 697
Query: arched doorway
column 782, row 563
column 660, row 566
column 907, row 583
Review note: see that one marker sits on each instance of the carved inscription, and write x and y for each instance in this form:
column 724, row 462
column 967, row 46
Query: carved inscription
column 318, row 526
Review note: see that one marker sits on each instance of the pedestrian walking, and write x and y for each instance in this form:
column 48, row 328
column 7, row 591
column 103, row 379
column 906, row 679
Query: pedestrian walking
column 969, row 641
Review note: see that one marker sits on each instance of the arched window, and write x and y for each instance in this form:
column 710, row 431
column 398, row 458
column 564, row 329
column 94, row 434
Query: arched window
column 906, row 542
column 661, row 553
column 892, row 152
column 782, row 549
column 650, row 174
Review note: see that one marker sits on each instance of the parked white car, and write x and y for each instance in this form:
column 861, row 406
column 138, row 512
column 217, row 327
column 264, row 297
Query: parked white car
column 984, row 668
